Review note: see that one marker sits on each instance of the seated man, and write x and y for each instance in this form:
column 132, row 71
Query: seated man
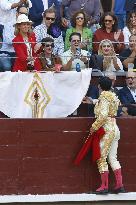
column 74, row 55
column 50, row 29
column 128, row 55
column 127, row 94
column 39, row 6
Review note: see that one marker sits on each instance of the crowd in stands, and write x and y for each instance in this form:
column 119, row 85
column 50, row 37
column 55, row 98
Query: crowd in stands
column 48, row 35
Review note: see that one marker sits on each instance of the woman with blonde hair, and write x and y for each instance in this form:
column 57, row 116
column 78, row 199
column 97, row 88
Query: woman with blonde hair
column 24, row 43
column 106, row 60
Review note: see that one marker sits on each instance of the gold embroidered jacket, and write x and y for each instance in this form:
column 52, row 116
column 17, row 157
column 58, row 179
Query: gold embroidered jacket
column 105, row 109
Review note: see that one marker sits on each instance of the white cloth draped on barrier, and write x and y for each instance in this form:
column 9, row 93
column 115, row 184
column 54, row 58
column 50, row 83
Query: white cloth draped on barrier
column 42, row 95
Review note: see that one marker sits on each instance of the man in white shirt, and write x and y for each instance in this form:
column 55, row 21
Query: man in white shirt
column 8, row 10
column 74, row 55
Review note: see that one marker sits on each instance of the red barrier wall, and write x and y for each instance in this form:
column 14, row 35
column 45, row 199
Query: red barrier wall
column 36, row 156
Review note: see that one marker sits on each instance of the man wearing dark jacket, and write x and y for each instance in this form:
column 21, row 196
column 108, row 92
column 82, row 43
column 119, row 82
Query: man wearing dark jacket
column 127, row 94
column 39, row 6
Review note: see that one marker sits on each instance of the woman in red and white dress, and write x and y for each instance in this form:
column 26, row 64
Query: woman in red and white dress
column 24, row 43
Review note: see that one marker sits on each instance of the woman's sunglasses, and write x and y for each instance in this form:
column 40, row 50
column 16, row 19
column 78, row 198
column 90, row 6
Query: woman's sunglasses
column 77, row 18
column 107, row 20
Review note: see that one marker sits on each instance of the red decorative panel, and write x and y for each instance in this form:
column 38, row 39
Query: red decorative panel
column 36, row 156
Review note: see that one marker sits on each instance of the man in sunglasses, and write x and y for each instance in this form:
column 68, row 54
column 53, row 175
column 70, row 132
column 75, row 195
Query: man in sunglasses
column 41, row 31
column 75, row 55
column 39, row 6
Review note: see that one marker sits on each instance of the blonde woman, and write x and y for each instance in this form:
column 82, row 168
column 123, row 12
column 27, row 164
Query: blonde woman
column 106, row 60
column 24, row 43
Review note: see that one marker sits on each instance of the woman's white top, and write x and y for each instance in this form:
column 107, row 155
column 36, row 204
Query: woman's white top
column 126, row 34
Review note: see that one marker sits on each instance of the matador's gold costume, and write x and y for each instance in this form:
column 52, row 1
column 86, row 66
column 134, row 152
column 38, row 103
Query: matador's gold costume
column 105, row 111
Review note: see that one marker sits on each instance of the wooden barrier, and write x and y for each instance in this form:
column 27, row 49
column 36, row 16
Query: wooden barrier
column 36, row 156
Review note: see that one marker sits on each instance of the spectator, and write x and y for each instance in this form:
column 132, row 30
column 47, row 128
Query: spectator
column 47, row 58
column 127, row 94
column 41, row 31
column 79, row 24
column 8, row 10
column 109, row 30
column 7, row 20
column 22, row 10
column 56, row 4
column 39, row 6
column 24, row 43
column 90, row 7
column 36, row 11
column 7, row 53
column 128, row 55
column 118, row 7
column 130, row 27
column 106, row 60
column 74, row 55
